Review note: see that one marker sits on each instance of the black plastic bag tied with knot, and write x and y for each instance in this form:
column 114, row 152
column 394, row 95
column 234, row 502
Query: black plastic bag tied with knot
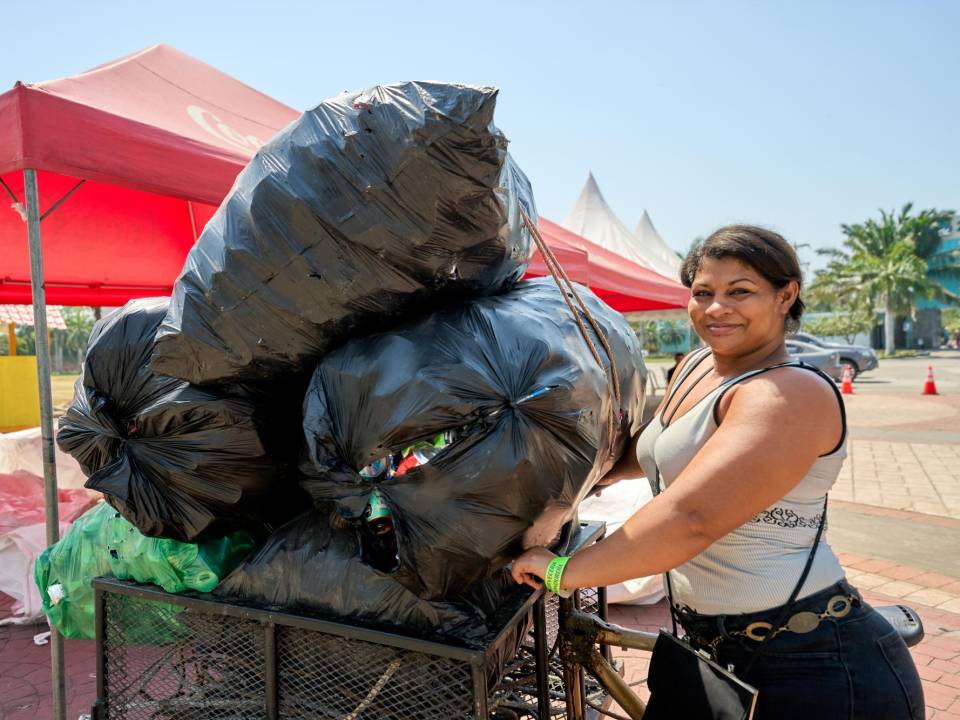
column 479, row 428
column 177, row 460
column 371, row 207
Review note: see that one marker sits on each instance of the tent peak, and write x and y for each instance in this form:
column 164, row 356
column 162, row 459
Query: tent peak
column 595, row 220
column 645, row 225
column 591, row 184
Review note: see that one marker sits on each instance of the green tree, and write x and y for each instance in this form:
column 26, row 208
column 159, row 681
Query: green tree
column 79, row 322
column 880, row 265
column 26, row 340
column 950, row 319
column 847, row 324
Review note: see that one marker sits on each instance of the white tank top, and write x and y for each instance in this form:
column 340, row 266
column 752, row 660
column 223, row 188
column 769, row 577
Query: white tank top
column 756, row 566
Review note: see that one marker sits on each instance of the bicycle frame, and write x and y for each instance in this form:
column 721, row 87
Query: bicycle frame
column 580, row 634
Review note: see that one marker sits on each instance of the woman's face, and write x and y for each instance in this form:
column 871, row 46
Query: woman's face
column 735, row 309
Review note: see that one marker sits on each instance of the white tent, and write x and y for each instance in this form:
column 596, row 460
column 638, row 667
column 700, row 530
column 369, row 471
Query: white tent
column 656, row 248
column 592, row 218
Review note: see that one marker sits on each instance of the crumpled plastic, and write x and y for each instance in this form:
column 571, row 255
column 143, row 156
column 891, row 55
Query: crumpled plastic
column 177, row 460
column 309, row 566
column 22, row 501
column 102, row 544
column 527, row 406
column 23, row 538
column 370, row 207
column 19, row 550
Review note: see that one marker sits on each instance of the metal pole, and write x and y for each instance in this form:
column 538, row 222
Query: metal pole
column 572, row 669
column 542, row 651
column 602, row 610
column 46, row 413
column 270, row 667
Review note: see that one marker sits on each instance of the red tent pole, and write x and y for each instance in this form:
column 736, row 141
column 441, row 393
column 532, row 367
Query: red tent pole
column 46, row 414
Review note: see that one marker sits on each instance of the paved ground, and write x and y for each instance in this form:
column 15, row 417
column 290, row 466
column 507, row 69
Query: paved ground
column 894, row 519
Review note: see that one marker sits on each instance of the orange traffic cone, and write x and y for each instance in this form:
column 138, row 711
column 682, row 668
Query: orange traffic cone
column 846, row 385
column 929, row 386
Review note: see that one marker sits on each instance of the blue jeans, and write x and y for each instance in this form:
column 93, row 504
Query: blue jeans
column 852, row 668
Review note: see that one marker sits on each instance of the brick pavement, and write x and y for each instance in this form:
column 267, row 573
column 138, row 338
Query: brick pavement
column 920, row 477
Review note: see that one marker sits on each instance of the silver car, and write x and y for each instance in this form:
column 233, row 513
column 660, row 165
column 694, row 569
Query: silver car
column 860, row 358
column 826, row 360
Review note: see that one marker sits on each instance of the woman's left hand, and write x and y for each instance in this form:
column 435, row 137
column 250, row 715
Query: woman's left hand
column 530, row 567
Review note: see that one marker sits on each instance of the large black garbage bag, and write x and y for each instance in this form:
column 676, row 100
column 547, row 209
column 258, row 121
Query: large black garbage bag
column 369, row 207
column 481, row 426
column 307, row 565
column 178, row 461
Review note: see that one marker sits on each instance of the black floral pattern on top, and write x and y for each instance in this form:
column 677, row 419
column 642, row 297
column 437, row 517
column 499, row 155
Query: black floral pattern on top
column 786, row 518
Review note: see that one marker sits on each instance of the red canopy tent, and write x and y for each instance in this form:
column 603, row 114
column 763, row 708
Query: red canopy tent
column 156, row 138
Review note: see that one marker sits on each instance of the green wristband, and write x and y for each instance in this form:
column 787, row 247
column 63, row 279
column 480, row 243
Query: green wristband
column 554, row 573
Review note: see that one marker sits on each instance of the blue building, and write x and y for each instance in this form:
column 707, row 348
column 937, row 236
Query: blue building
column 943, row 268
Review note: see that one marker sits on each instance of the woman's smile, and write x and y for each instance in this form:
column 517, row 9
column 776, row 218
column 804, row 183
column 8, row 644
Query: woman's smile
column 722, row 328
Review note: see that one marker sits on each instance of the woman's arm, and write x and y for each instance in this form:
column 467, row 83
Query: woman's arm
column 772, row 432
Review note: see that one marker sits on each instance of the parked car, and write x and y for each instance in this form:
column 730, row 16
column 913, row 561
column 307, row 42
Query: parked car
column 860, row 358
column 825, row 359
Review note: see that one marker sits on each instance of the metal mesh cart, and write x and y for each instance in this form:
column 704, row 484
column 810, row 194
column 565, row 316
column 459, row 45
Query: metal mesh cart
column 193, row 657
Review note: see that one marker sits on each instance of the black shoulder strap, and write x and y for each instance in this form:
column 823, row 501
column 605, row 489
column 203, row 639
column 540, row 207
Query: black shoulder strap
column 693, row 361
column 687, row 372
column 798, row 364
column 785, row 613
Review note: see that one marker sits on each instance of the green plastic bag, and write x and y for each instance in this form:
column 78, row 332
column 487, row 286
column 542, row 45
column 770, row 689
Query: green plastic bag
column 102, row 543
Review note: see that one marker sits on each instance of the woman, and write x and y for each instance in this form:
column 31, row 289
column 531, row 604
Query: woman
column 745, row 447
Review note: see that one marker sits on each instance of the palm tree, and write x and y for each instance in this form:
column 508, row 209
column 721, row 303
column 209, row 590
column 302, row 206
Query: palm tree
column 926, row 229
column 881, row 264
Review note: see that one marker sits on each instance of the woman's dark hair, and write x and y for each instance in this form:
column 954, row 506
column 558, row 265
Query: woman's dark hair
column 763, row 250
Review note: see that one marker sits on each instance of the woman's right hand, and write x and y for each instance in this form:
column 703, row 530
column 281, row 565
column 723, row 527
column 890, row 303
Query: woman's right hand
column 531, row 567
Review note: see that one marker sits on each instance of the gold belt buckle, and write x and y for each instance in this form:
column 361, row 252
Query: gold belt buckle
column 839, row 606
column 751, row 630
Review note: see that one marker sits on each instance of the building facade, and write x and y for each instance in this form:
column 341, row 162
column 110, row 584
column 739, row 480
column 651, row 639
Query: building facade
column 943, row 268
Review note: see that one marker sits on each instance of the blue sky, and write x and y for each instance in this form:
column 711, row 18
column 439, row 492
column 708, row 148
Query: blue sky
column 794, row 115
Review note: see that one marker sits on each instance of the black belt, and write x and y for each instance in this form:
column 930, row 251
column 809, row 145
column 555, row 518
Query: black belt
column 708, row 631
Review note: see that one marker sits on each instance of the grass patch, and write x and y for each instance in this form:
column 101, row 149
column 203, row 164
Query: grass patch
column 62, row 388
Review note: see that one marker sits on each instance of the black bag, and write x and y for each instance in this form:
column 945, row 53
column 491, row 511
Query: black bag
column 372, row 206
column 522, row 409
column 685, row 684
column 179, row 461
column 309, row 566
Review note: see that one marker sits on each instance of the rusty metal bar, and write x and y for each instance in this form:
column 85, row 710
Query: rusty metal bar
column 617, row 636
column 625, row 697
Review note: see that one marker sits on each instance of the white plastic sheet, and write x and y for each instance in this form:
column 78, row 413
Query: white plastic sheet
column 21, row 450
